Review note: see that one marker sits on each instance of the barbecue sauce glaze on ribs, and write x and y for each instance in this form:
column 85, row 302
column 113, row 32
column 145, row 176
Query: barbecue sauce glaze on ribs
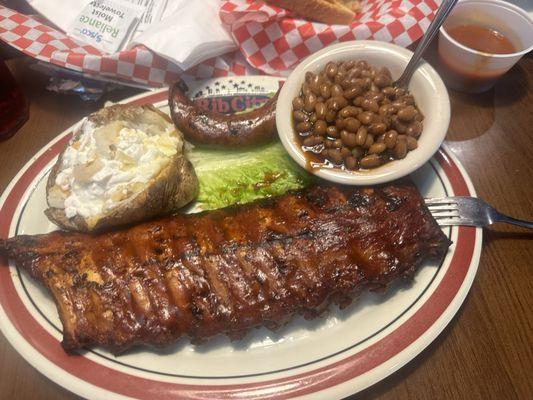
column 230, row 270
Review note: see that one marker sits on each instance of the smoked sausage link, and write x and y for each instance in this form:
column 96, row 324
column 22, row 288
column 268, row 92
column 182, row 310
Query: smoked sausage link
column 220, row 130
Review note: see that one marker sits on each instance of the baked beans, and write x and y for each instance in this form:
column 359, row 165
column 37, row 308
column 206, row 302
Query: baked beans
column 350, row 116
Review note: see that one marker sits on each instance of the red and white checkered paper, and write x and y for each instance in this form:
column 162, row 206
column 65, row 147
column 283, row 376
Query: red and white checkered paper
column 271, row 40
column 140, row 65
column 274, row 40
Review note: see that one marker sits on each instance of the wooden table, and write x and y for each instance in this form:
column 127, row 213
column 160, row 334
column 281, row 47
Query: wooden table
column 486, row 351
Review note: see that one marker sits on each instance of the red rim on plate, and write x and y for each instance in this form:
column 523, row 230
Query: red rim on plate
column 40, row 348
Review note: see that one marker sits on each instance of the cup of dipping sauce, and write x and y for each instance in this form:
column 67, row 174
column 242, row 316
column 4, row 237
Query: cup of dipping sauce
column 480, row 41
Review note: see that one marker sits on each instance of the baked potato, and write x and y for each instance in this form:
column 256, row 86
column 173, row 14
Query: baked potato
column 123, row 164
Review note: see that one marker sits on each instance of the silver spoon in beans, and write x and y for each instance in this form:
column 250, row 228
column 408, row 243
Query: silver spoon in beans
column 351, row 116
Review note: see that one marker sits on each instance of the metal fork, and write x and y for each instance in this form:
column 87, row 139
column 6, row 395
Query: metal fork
column 468, row 211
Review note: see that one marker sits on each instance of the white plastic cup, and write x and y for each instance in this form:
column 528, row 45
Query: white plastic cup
column 473, row 71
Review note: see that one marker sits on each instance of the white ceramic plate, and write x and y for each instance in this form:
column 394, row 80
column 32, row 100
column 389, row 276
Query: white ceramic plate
column 331, row 357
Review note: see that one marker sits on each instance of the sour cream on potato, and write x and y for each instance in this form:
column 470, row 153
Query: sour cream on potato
column 111, row 163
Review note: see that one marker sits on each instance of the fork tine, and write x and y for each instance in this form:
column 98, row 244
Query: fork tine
column 445, row 214
column 439, row 200
column 438, row 207
column 456, row 221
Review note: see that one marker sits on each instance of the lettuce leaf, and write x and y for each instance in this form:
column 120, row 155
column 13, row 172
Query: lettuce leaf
column 241, row 176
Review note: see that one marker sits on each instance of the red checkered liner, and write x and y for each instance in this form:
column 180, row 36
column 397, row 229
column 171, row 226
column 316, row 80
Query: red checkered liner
column 270, row 39
column 273, row 39
column 139, row 64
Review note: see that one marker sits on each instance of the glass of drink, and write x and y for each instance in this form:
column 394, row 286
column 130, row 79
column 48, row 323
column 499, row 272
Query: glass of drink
column 14, row 110
column 480, row 41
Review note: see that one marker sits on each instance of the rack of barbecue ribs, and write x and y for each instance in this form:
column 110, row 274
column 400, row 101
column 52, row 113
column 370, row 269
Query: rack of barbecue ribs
column 232, row 269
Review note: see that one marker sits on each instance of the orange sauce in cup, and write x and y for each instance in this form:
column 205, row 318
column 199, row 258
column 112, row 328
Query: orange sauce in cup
column 482, row 39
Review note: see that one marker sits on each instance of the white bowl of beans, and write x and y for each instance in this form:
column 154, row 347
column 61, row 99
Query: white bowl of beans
column 340, row 117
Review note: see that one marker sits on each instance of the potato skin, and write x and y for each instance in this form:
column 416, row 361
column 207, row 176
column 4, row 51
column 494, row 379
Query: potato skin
column 174, row 187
